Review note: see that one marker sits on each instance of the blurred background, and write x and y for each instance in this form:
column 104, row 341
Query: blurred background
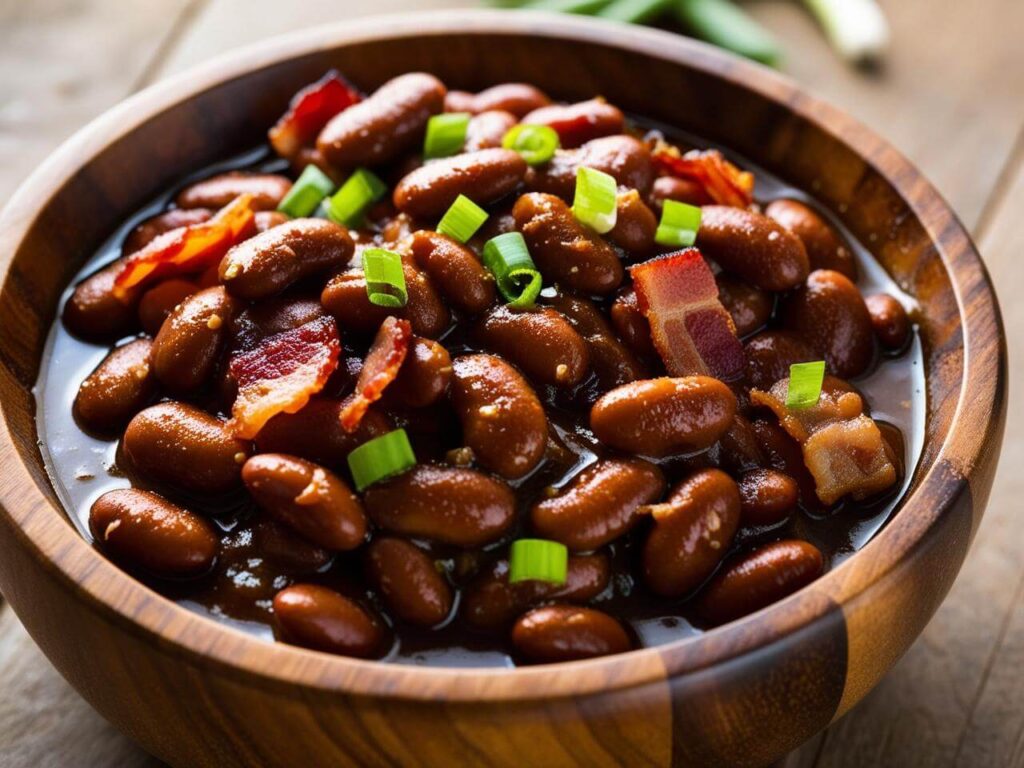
column 943, row 80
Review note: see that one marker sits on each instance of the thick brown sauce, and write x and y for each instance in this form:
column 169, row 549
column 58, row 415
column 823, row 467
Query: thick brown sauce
column 240, row 590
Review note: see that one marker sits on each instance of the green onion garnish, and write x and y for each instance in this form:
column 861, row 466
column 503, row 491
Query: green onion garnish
column 385, row 280
column 517, row 277
column 312, row 186
column 358, row 193
column 462, row 220
column 538, row 560
column 805, row 381
column 679, row 224
column 381, row 458
column 446, row 134
column 594, row 203
column 536, row 144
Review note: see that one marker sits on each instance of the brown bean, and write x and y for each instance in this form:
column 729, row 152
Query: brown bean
column 635, row 224
column 286, row 549
column 564, row 250
column 757, row 249
column 599, row 505
column 738, row 449
column 267, row 190
column 828, row 313
column 502, row 419
column 889, row 320
column 631, row 324
column 539, row 341
column 769, row 355
column 160, row 300
column 681, row 190
column 517, row 98
column 767, row 497
column 578, row 123
column 487, row 129
column 317, row 617
column 610, row 359
column 271, row 261
column 749, row 307
column 383, row 126
column 557, row 633
column 147, row 231
column 451, row 505
column 825, row 248
column 308, row 498
column 623, row 157
column 315, row 432
column 185, row 447
column 656, row 417
column 120, row 387
column 484, row 177
column 188, row 347
column 456, row 271
column 143, row 530
column 94, row 312
column 692, row 532
column 758, row 579
column 408, row 582
column 424, row 376
column 265, row 220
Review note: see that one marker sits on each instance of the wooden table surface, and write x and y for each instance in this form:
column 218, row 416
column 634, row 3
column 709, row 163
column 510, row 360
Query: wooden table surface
column 951, row 97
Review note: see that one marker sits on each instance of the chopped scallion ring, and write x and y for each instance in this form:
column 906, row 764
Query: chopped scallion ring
column 358, row 193
column 383, row 457
column 517, row 277
column 446, row 134
column 385, row 280
column 595, row 200
column 538, row 560
column 535, row 143
column 462, row 220
column 679, row 224
column 312, row 186
column 805, row 380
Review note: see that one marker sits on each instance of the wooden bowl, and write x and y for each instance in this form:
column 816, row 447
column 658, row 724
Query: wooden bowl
column 197, row 693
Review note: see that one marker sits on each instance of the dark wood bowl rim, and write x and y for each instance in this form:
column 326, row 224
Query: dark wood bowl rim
column 43, row 528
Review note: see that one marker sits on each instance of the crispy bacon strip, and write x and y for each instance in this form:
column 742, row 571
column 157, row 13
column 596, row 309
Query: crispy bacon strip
column 187, row 249
column 691, row 330
column 722, row 181
column 309, row 111
column 380, row 368
column 281, row 373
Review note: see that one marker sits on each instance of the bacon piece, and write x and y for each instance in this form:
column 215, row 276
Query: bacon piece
column 187, row 249
column 692, row 331
column 309, row 111
column 281, row 373
column 385, row 357
column 722, row 181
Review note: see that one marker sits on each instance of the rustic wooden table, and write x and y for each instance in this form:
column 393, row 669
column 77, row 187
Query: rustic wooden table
column 951, row 97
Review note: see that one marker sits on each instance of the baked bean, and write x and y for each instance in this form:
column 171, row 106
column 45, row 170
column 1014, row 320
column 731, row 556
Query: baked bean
column 408, row 582
column 185, row 447
column 265, row 220
column 94, row 312
column 681, row 190
column 889, row 320
column 635, row 224
column 631, row 324
column 456, row 271
column 160, row 300
column 692, row 532
column 829, row 313
column 502, row 420
column 557, row 633
column 757, row 249
column 188, row 347
column 769, row 355
column 451, row 505
column 308, row 498
column 610, row 359
column 767, row 497
column 738, row 448
column 749, row 307
column 623, row 157
column 380, row 128
column 655, row 417
column 758, row 579
column 271, row 261
column 119, row 388
column 483, row 177
column 539, row 341
column 825, row 248
column 490, row 603
column 487, row 129
column 599, row 505
column 317, row 617
column 578, row 123
column 565, row 250
column 424, row 376
column 267, row 190
column 517, row 98
column 315, row 432
column 286, row 549
column 147, row 231
column 146, row 531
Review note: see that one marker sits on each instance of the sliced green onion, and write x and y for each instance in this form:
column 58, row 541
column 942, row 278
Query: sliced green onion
column 312, row 186
column 381, row 458
column 446, row 134
column 724, row 24
column 805, row 381
column 634, row 11
column 358, row 193
column 518, row 279
column 538, row 560
column 462, row 220
column 679, row 224
column 595, row 200
column 581, row 7
column 385, row 280
column 535, row 143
